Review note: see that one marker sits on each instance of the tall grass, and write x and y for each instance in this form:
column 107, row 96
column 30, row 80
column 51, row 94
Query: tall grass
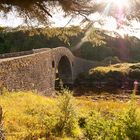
column 29, row 116
column 26, row 115
column 112, row 125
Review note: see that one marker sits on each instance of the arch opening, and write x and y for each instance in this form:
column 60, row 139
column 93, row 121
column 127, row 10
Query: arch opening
column 63, row 73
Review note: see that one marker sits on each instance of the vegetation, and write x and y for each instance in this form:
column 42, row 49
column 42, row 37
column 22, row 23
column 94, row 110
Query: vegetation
column 22, row 40
column 112, row 125
column 2, row 137
column 122, row 67
column 125, row 68
column 114, row 47
column 32, row 116
column 105, row 48
column 116, row 78
column 42, row 9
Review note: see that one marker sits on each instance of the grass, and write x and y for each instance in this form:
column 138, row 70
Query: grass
column 117, row 67
column 120, row 67
column 24, row 114
column 86, row 105
column 30, row 116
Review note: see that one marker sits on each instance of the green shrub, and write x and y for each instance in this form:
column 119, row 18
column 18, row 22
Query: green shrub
column 136, row 66
column 111, row 60
column 113, row 125
column 97, row 76
column 115, row 78
column 104, row 127
column 134, row 74
column 30, row 116
column 67, row 124
column 131, row 121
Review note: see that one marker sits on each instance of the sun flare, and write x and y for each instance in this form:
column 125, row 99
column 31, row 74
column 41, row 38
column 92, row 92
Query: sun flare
column 120, row 3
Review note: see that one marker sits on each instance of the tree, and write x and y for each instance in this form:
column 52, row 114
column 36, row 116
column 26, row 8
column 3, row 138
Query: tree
column 42, row 9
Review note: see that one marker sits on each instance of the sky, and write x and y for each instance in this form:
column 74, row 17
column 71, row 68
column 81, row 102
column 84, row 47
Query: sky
column 58, row 20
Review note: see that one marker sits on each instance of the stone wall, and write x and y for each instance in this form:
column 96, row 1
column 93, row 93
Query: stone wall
column 82, row 65
column 37, row 71
column 28, row 72
column 17, row 54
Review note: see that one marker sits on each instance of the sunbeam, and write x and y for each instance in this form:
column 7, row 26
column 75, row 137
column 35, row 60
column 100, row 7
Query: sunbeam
column 119, row 3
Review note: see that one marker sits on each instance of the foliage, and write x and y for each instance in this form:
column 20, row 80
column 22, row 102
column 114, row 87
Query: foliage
column 122, row 67
column 92, row 52
column 112, row 48
column 41, row 10
column 26, row 115
column 32, row 116
column 134, row 74
column 121, row 75
column 114, row 125
column 27, row 39
column 111, row 60
column 67, row 117
column 104, row 126
column 13, row 40
column 131, row 120
column 104, row 48
column 127, row 69
column 95, row 37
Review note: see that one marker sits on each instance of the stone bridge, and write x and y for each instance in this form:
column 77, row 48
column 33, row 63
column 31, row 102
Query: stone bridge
column 38, row 69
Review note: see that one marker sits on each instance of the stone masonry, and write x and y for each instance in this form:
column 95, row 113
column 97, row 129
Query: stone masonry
column 36, row 69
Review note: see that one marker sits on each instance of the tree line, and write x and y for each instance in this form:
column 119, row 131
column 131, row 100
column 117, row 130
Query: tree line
column 101, row 49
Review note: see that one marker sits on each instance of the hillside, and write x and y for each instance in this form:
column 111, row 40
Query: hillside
column 118, row 76
column 125, row 49
column 100, row 46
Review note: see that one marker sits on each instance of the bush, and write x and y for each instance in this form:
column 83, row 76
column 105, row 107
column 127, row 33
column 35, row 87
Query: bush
column 30, row 116
column 67, row 124
column 115, row 78
column 112, row 78
column 116, row 75
column 111, row 60
column 136, row 66
column 97, row 75
column 114, row 125
column 33, row 116
column 132, row 122
column 134, row 74
column 100, row 127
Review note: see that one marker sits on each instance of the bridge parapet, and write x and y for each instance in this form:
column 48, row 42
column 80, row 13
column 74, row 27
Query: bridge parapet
column 22, row 53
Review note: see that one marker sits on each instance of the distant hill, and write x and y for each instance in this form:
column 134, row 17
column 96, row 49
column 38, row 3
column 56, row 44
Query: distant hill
column 126, row 49
column 115, row 48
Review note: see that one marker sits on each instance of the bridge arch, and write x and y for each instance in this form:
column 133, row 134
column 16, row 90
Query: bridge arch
column 64, row 71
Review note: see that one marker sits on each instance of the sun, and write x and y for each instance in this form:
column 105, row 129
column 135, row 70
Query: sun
column 119, row 3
